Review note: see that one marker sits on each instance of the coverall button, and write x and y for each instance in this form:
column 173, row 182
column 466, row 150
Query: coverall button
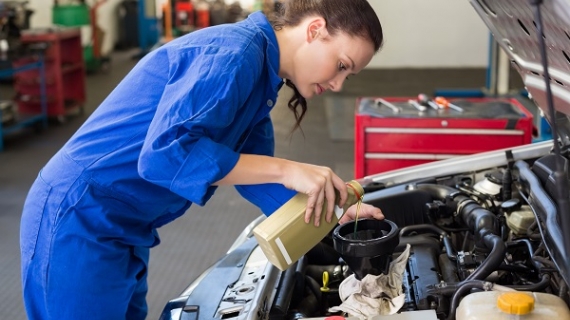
column 270, row 103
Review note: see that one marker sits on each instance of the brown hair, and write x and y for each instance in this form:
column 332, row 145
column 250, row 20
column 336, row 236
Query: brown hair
column 353, row 17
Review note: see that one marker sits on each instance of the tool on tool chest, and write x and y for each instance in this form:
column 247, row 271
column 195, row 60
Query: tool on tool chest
column 446, row 104
column 382, row 102
column 426, row 101
column 415, row 104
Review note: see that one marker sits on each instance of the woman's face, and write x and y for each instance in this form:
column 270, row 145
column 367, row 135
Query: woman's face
column 324, row 62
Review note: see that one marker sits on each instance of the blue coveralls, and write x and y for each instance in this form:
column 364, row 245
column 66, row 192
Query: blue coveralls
column 174, row 125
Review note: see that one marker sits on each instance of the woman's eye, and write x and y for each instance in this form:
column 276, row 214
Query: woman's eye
column 341, row 66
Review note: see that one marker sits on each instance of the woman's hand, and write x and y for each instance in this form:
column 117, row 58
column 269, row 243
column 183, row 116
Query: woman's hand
column 366, row 211
column 319, row 183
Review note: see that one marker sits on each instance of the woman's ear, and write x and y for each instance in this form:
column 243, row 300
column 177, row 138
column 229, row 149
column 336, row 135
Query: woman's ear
column 316, row 28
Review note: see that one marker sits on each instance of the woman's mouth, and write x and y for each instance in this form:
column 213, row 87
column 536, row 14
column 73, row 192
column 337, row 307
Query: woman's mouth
column 320, row 89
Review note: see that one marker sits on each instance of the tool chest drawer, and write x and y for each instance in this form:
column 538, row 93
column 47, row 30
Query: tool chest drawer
column 391, row 133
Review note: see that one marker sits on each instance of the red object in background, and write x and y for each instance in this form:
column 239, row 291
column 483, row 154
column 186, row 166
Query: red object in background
column 385, row 140
column 202, row 15
column 184, row 12
column 64, row 73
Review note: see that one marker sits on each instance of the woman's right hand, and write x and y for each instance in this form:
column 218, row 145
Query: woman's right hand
column 319, row 184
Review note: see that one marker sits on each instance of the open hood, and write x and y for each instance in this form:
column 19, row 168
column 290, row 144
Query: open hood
column 513, row 25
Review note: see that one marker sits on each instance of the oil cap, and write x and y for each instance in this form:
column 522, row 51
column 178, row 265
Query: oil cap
column 515, row 303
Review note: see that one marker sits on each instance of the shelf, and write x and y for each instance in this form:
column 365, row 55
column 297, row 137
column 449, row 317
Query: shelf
column 23, row 120
column 32, row 105
column 64, row 71
column 66, row 68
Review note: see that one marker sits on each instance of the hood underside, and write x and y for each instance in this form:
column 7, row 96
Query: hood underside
column 513, row 25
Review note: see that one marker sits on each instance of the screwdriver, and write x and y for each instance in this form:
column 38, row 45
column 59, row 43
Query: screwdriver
column 446, row 104
column 425, row 100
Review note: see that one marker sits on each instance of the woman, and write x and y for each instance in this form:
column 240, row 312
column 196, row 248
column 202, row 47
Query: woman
column 192, row 115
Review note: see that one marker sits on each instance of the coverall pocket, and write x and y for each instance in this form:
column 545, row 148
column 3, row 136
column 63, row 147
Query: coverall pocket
column 32, row 216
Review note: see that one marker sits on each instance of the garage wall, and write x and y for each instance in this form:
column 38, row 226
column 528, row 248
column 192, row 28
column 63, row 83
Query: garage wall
column 430, row 34
column 42, row 13
column 418, row 33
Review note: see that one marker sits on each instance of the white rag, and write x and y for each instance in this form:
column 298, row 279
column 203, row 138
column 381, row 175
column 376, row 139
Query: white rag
column 374, row 295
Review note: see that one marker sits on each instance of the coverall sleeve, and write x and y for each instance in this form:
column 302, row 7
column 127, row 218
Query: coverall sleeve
column 205, row 89
column 270, row 196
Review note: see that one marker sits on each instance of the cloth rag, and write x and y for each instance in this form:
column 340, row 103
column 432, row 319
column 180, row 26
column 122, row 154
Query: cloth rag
column 374, row 295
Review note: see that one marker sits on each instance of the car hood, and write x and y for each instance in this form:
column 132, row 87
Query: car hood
column 513, row 25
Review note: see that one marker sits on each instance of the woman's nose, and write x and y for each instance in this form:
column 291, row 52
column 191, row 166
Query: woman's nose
column 336, row 84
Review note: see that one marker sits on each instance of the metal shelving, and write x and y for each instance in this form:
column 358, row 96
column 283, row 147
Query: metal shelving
column 22, row 120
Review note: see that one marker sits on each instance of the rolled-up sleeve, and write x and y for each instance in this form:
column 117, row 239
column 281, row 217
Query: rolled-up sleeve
column 206, row 88
column 267, row 197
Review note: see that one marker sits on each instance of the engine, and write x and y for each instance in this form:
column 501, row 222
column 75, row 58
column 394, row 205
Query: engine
column 467, row 232
column 472, row 226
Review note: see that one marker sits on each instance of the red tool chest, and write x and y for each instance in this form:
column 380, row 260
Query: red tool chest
column 64, row 73
column 388, row 138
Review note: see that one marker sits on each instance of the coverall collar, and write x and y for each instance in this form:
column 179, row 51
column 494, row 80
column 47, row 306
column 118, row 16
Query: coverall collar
column 272, row 51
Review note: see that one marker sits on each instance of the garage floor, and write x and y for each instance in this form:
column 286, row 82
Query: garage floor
column 195, row 241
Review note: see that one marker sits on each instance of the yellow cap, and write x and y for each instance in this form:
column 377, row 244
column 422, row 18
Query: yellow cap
column 515, row 303
column 325, row 287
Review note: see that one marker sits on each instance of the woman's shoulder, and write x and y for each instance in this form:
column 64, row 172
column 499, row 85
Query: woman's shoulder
column 229, row 39
column 228, row 48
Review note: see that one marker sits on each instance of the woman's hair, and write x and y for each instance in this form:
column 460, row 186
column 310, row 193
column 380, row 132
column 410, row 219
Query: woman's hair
column 352, row 17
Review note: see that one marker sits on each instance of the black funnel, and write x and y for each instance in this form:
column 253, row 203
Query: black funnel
column 368, row 250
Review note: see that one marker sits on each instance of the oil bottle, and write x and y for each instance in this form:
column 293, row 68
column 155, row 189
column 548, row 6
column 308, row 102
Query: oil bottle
column 284, row 236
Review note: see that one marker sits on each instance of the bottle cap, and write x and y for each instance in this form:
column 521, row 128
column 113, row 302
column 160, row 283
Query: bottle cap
column 356, row 188
column 515, row 303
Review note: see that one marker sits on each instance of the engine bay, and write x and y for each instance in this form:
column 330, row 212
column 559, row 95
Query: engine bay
column 468, row 230
column 490, row 228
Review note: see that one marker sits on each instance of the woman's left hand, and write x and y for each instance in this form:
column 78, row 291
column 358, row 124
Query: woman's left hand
column 366, row 211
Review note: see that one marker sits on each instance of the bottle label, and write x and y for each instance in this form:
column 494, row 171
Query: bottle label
column 338, row 211
column 283, row 250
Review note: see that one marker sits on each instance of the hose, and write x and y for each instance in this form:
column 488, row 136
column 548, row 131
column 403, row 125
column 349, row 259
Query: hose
column 448, row 269
column 494, row 259
column 485, row 226
column 314, row 287
column 479, row 220
column 530, row 231
column 544, row 261
column 539, row 286
column 451, row 254
column 528, row 245
column 462, row 291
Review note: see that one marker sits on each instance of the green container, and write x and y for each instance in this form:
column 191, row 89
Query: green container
column 91, row 63
column 74, row 15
